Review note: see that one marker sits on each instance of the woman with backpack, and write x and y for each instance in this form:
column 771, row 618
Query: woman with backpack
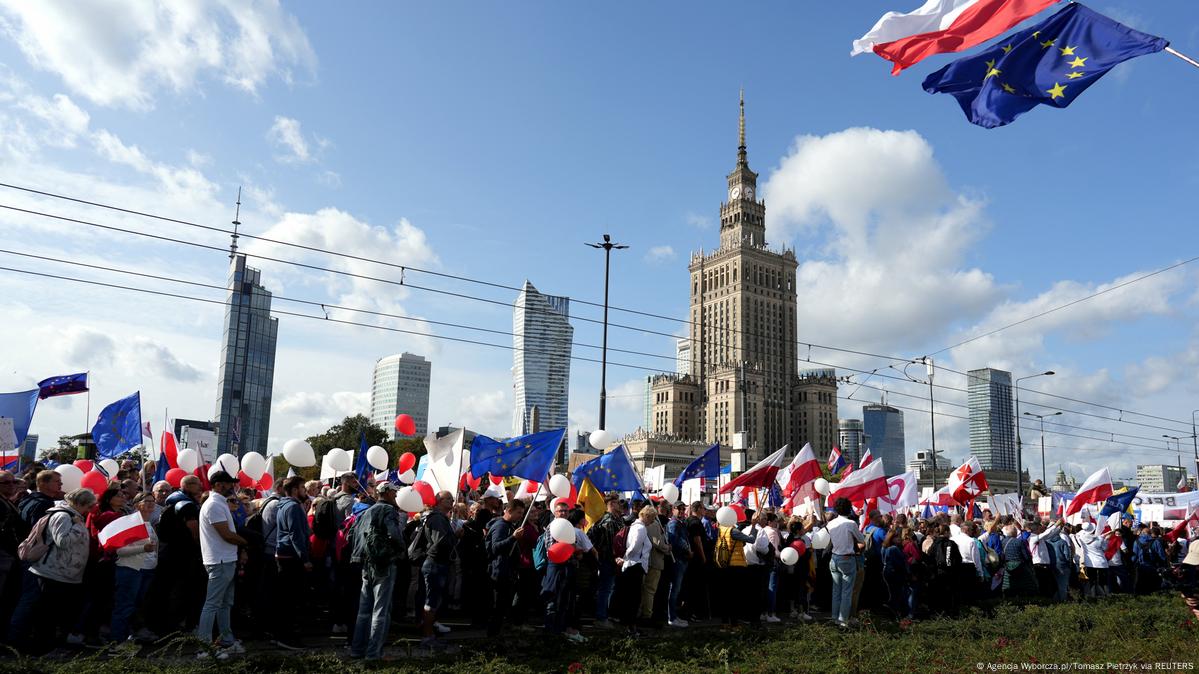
column 57, row 550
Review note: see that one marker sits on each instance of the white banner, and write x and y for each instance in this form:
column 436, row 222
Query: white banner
column 8, row 435
column 691, row 491
column 654, row 477
column 445, row 465
column 1004, row 504
column 901, row 493
column 202, row 441
column 1045, row 506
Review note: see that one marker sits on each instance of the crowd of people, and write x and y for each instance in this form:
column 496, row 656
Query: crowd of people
column 221, row 563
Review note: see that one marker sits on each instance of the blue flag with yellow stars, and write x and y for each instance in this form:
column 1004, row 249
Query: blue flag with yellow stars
column 528, row 456
column 118, row 429
column 706, row 465
column 613, row 471
column 1119, row 502
column 1051, row 63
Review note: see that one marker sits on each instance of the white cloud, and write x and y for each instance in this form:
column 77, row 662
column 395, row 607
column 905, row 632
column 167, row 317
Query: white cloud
column 486, row 410
column 330, row 179
column 285, row 133
column 117, row 53
column 660, row 254
column 325, row 407
column 698, row 221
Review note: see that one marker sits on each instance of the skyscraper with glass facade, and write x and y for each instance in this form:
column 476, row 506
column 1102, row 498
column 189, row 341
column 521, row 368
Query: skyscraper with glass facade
column 884, row 425
column 247, row 371
column 400, row 385
column 541, row 340
column 992, row 427
column 852, row 440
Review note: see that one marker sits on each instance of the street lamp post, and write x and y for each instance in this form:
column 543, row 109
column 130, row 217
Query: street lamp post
column 1019, row 444
column 1041, row 418
column 607, row 245
column 1177, row 443
column 1195, row 440
column 932, row 423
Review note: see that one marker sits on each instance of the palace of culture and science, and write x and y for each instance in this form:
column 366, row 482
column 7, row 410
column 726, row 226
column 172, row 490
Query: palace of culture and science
column 741, row 385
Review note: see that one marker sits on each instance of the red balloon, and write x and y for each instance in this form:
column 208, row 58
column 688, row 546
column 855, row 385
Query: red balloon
column 740, row 509
column 406, row 462
column 266, row 482
column 560, row 552
column 175, row 476
column 426, row 492
column 85, row 465
column 799, row 546
column 95, row 481
column 469, row 482
column 244, row 480
column 405, row 425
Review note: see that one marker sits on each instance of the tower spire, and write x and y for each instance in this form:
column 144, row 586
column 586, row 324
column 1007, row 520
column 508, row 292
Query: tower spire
column 741, row 160
column 236, row 224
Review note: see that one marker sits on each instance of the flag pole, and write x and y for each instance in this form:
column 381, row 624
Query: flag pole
column 87, row 414
column 1173, row 52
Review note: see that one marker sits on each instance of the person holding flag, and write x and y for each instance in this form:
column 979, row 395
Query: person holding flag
column 133, row 539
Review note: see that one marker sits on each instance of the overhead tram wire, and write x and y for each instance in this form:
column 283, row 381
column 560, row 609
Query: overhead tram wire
column 415, row 333
column 326, row 306
column 222, row 230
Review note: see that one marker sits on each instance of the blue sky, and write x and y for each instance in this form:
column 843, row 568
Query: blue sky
column 492, row 140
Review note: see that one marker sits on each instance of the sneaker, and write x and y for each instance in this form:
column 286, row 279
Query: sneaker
column 576, row 638
column 339, row 629
column 74, row 639
column 805, row 617
column 94, row 643
column 841, row 624
column 771, row 618
column 677, row 622
column 206, row 655
column 288, row 644
column 441, row 629
column 144, row 635
column 604, row 624
column 235, row 648
column 795, row 614
column 763, row 617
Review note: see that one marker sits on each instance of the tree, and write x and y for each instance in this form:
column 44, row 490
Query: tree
column 345, row 435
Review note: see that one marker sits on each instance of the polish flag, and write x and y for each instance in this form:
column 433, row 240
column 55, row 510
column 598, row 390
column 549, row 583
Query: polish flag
column 528, row 489
column 495, row 487
column 804, row 468
column 1095, row 490
column 869, row 482
column 10, row 459
column 1181, row 528
column 836, row 462
column 866, row 459
column 122, row 531
column 169, row 448
column 942, row 26
column 968, row 481
column 1182, row 484
column 761, row 475
column 941, row 497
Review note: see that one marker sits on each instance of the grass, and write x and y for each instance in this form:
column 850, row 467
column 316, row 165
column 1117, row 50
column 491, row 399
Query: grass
column 1137, row 630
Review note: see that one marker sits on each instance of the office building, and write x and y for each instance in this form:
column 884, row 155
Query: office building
column 541, row 340
column 400, row 385
column 992, row 429
column 247, row 369
column 884, row 425
column 1160, row 478
column 852, row 440
column 682, row 356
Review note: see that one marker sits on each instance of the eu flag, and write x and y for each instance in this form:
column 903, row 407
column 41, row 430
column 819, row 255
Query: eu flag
column 63, row 385
column 706, row 465
column 1119, row 502
column 528, row 456
column 1051, row 63
column 19, row 407
column 609, row 472
column 118, row 429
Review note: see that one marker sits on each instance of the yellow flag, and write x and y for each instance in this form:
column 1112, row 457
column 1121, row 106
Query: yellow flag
column 592, row 502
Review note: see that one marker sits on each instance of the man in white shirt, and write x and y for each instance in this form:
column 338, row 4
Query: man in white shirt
column 218, row 552
column 1039, row 547
column 847, row 539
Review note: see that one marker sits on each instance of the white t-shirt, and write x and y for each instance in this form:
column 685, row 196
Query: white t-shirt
column 844, row 533
column 213, row 548
column 582, row 542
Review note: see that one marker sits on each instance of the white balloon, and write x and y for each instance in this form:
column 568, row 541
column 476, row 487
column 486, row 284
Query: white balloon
column 377, row 457
column 409, row 500
column 71, row 476
column 726, row 517
column 560, row 486
column 299, row 453
column 821, row 539
column 188, row 459
column 789, row 556
column 554, row 503
column 110, row 466
column 562, row 531
column 229, row 464
column 253, row 465
column 408, row 476
column 821, row 486
column 600, row 439
column 213, row 470
column 339, row 460
column 670, row 492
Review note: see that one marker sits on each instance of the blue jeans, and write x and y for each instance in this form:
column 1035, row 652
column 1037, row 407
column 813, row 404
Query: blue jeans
column 435, row 576
column 676, row 588
column 131, row 586
column 22, row 615
column 772, row 589
column 604, row 589
column 374, row 616
column 218, row 603
column 844, row 570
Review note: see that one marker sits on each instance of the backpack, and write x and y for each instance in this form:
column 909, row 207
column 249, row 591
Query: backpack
column 723, row 551
column 379, row 548
column 324, row 520
column 620, row 542
column 541, row 558
column 991, row 559
column 34, row 547
column 418, row 549
column 868, row 543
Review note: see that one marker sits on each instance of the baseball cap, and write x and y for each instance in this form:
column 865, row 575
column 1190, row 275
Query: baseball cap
column 384, row 487
column 221, row 476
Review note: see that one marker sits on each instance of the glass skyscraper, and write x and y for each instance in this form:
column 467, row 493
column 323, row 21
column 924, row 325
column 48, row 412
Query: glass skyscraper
column 992, row 428
column 884, row 426
column 247, row 371
column 541, row 337
column 853, row 440
column 401, row 386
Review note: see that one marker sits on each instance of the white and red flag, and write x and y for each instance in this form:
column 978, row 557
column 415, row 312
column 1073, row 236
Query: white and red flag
column 866, row 459
column 901, row 493
column 941, row 27
column 169, row 448
column 869, row 482
column 941, row 497
column 761, row 475
column 1096, row 489
column 968, row 481
column 122, row 531
column 804, row 468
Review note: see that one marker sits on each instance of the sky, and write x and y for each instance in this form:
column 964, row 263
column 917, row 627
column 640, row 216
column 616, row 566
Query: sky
column 492, row 140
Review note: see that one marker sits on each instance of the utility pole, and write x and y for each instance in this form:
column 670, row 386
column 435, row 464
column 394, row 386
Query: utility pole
column 607, row 247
